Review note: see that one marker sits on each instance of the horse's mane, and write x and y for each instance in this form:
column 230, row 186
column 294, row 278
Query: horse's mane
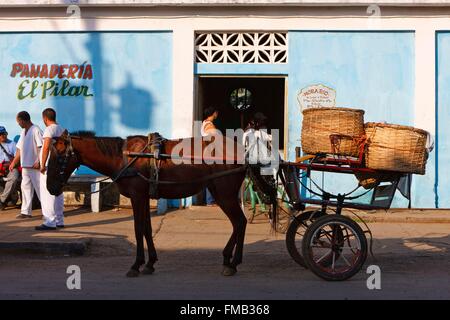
column 83, row 134
column 111, row 146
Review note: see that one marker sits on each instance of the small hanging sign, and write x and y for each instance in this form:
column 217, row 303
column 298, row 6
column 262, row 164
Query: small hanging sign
column 316, row 96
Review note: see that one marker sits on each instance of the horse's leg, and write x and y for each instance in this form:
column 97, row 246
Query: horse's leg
column 137, row 201
column 152, row 257
column 238, row 216
column 229, row 247
column 230, row 206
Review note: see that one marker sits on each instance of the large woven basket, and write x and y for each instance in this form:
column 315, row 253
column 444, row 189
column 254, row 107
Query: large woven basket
column 347, row 125
column 395, row 148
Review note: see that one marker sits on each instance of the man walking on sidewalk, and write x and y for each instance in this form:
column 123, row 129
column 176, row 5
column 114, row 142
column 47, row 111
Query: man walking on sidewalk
column 28, row 147
column 52, row 206
column 7, row 153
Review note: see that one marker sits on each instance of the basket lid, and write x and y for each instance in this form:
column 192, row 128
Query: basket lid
column 394, row 126
column 333, row 109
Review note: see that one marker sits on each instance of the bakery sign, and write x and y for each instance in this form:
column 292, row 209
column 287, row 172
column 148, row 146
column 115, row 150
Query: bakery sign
column 316, row 96
column 52, row 80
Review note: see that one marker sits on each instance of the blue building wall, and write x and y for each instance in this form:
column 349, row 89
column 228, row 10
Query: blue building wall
column 442, row 151
column 131, row 85
column 373, row 71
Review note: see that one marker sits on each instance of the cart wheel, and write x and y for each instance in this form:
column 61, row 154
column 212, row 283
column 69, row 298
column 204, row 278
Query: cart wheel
column 296, row 232
column 334, row 247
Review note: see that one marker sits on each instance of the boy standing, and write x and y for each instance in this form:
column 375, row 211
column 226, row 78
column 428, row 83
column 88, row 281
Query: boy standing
column 52, row 206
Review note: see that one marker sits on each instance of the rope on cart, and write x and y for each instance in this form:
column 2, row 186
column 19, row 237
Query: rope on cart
column 346, row 195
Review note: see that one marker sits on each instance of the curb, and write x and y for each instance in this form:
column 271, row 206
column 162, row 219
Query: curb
column 77, row 247
column 400, row 219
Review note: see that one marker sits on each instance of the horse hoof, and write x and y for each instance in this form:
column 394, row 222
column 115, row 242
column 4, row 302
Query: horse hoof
column 229, row 271
column 148, row 270
column 132, row 273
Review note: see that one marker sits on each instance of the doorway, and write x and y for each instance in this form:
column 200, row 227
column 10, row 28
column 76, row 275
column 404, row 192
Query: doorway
column 239, row 98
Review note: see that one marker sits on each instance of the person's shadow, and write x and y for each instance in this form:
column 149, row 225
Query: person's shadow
column 136, row 106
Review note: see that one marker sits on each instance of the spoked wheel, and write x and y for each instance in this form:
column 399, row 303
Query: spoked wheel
column 296, row 232
column 334, row 247
column 251, row 203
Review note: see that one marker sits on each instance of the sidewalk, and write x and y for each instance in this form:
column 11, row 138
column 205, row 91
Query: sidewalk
column 112, row 231
column 108, row 229
column 406, row 216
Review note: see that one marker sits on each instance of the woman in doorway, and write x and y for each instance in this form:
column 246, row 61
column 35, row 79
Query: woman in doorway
column 209, row 115
column 208, row 128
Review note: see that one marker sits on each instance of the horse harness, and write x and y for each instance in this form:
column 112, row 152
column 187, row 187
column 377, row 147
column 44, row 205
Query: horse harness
column 155, row 145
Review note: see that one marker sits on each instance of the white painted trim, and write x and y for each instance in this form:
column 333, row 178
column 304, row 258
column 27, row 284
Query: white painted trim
column 137, row 3
column 183, row 83
column 424, row 109
column 232, row 23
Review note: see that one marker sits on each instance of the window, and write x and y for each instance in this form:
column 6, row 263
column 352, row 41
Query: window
column 241, row 99
column 244, row 47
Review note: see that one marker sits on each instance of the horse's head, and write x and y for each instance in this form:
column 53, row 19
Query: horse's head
column 63, row 160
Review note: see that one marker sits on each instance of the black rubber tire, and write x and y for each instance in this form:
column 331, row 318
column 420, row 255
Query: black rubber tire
column 298, row 222
column 318, row 224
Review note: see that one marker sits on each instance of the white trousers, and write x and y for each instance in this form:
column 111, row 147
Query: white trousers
column 52, row 207
column 30, row 183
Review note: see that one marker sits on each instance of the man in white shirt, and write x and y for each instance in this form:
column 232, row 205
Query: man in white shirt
column 7, row 153
column 52, row 206
column 28, row 148
column 258, row 145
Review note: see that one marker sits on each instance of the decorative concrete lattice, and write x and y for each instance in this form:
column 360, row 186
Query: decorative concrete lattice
column 245, row 47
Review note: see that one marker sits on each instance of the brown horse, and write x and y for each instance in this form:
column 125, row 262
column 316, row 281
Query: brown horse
column 105, row 155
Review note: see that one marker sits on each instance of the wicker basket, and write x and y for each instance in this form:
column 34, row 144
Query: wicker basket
column 347, row 125
column 370, row 180
column 395, row 148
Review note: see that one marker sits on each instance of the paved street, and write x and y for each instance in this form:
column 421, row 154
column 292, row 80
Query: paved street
column 414, row 259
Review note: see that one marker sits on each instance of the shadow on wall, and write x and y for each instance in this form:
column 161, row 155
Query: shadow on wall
column 72, row 111
column 136, row 105
column 102, row 118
